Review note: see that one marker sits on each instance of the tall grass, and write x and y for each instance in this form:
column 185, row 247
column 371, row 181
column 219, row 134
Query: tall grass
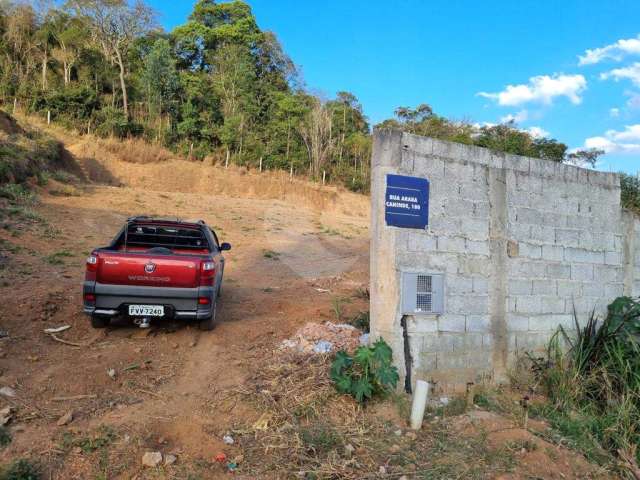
column 592, row 379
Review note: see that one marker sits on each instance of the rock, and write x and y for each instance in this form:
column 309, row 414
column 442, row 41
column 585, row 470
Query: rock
column 112, row 373
column 7, row 392
column 151, row 459
column 349, row 450
column 66, row 419
column 382, row 470
column 228, row 440
column 403, row 477
column 411, row 435
column 394, row 448
column 397, row 433
column 5, row 415
column 170, row 459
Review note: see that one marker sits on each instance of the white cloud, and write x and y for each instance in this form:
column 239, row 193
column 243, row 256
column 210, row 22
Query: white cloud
column 616, row 51
column 517, row 117
column 614, row 141
column 543, row 89
column 614, row 112
column 632, row 72
column 537, row 132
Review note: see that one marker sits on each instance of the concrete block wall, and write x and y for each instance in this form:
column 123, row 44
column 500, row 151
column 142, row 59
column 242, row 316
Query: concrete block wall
column 521, row 243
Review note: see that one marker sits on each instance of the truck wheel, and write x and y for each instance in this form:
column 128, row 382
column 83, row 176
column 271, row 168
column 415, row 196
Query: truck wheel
column 209, row 323
column 98, row 321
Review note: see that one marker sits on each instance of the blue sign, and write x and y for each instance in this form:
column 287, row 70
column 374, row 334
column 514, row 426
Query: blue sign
column 406, row 202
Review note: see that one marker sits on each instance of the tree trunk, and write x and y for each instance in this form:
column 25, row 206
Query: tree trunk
column 45, row 59
column 123, row 85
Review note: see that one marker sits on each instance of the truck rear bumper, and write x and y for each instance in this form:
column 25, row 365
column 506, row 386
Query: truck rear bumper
column 179, row 303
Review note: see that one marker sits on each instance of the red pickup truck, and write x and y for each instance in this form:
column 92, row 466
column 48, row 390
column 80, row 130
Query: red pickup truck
column 156, row 268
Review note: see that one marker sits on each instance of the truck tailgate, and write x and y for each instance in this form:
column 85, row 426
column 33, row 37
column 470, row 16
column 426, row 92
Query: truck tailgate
column 120, row 268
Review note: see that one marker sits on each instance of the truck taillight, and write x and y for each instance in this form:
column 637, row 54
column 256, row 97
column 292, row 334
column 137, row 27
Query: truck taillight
column 207, row 273
column 92, row 263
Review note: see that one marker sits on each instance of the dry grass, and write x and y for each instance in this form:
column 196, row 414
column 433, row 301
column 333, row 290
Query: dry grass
column 308, row 430
column 136, row 150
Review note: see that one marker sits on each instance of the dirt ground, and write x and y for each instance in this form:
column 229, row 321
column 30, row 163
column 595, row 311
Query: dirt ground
column 295, row 259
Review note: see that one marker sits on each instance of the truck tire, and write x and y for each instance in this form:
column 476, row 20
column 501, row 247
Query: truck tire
column 209, row 323
column 98, row 321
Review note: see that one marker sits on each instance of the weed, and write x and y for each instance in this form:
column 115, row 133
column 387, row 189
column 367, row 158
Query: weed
column 320, row 439
column 57, row 258
column 362, row 292
column 21, row 470
column 103, row 438
column 63, row 177
column 592, row 378
column 51, row 232
column 5, row 436
column 520, row 445
column 361, row 321
column 270, row 254
column 336, row 306
column 7, row 246
column 369, row 372
column 17, row 194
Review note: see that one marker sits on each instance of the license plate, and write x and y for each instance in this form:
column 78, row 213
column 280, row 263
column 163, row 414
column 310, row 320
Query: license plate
column 146, row 310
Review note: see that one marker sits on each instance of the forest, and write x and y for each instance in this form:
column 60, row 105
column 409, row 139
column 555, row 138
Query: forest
column 217, row 88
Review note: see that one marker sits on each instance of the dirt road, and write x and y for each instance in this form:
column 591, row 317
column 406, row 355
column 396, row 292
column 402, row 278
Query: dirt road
column 290, row 264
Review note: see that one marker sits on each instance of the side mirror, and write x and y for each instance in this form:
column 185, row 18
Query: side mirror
column 225, row 246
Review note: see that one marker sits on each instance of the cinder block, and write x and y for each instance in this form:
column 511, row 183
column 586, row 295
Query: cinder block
column 468, row 304
column 592, row 289
column 528, row 215
column 580, row 255
column 613, row 291
column 567, row 237
column 476, row 228
column 553, row 253
column 476, row 247
column 558, row 270
column 529, row 250
column 545, row 287
column 480, row 285
column 469, row 342
column 552, row 304
column 458, row 284
column 528, row 304
column 612, row 258
column 422, row 242
column 452, row 323
column 437, row 342
column 569, row 288
column 478, row 323
column 518, row 267
column 582, row 272
column 517, row 323
column 608, row 274
column 452, row 244
column 423, row 324
column 520, row 287
column 542, row 234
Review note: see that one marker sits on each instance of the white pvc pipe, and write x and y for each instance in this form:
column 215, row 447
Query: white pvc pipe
column 419, row 403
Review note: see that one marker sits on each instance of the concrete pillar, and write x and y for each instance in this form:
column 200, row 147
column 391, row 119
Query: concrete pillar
column 498, row 274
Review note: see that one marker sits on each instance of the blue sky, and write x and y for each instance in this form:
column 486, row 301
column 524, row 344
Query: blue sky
column 479, row 61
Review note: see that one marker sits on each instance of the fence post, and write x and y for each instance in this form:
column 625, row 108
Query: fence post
column 260, row 164
column 226, row 162
column 291, row 173
column 48, row 117
column 15, row 105
column 324, row 176
column 191, row 152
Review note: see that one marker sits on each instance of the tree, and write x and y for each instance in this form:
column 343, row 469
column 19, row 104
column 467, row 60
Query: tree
column 588, row 157
column 115, row 25
column 316, row 134
column 160, row 77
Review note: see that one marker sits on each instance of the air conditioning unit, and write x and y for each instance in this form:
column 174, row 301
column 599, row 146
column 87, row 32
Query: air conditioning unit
column 422, row 293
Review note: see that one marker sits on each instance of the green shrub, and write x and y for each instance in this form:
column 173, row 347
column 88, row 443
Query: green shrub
column 20, row 470
column 592, row 379
column 368, row 373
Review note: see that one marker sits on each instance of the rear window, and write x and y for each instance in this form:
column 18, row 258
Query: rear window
column 150, row 236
